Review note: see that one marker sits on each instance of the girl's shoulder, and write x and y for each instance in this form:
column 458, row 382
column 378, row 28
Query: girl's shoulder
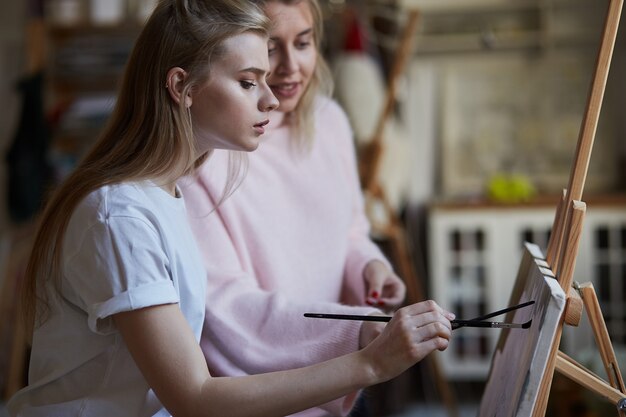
column 138, row 203
column 328, row 107
column 331, row 122
column 113, row 194
column 330, row 116
column 123, row 199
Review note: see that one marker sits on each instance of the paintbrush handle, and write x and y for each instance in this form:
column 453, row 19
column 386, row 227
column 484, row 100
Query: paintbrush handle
column 347, row 317
column 455, row 323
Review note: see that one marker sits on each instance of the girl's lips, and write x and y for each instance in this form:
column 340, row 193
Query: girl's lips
column 260, row 127
column 286, row 90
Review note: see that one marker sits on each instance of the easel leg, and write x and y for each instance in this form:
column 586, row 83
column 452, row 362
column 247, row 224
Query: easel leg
column 578, row 373
column 601, row 334
column 613, row 391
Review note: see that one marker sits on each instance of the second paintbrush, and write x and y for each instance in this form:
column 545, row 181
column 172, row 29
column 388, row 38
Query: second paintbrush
column 455, row 323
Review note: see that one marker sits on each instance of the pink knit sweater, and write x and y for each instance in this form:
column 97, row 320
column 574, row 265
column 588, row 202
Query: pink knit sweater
column 293, row 238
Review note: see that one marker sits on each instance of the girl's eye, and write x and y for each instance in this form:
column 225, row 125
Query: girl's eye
column 247, row 84
column 303, row 45
column 271, row 47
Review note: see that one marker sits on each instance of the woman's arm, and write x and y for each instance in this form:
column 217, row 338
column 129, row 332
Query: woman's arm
column 170, row 359
column 240, row 310
column 368, row 276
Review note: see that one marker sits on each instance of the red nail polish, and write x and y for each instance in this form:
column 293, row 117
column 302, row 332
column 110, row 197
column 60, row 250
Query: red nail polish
column 375, row 294
column 381, row 303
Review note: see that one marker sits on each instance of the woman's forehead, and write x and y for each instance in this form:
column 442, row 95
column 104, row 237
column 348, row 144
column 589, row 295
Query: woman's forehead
column 289, row 18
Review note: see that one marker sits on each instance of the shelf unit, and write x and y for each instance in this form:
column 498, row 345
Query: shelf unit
column 84, row 66
column 477, row 25
column 86, row 59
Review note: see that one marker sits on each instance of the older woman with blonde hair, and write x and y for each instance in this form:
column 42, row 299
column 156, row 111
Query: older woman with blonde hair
column 294, row 236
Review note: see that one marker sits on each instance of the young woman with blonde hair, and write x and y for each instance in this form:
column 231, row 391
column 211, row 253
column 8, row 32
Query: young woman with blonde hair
column 294, row 236
column 116, row 286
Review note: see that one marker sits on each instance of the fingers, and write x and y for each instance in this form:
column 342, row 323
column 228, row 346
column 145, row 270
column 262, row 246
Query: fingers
column 393, row 293
column 374, row 276
column 424, row 323
column 437, row 331
column 428, row 326
column 430, row 345
column 384, row 288
column 425, row 307
column 414, row 332
column 374, row 295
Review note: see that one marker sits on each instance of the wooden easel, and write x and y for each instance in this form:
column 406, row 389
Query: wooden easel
column 393, row 230
column 561, row 258
column 563, row 245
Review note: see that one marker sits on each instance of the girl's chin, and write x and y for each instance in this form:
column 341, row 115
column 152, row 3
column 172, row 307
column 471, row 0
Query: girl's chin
column 248, row 145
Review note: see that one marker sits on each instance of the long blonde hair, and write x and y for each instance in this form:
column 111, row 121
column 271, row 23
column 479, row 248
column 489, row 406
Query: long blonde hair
column 149, row 135
column 302, row 118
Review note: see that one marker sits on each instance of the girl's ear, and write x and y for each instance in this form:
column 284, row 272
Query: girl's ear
column 174, row 84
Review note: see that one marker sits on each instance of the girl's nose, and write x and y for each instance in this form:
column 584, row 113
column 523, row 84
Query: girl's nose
column 269, row 102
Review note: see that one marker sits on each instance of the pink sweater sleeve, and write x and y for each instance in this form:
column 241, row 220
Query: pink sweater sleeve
column 249, row 330
column 361, row 248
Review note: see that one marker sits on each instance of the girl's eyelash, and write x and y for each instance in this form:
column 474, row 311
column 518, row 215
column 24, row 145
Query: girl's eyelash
column 247, row 84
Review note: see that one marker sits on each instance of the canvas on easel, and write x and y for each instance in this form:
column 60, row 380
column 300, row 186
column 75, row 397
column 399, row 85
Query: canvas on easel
column 523, row 365
column 510, row 393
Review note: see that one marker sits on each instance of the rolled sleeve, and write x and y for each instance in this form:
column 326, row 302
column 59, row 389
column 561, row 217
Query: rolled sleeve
column 117, row 264
column 158, row 293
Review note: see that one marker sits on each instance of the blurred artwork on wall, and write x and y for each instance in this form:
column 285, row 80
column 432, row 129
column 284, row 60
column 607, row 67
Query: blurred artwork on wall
column 519, row 115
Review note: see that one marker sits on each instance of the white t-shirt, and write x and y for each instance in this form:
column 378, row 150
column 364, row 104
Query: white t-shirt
column 127, row 246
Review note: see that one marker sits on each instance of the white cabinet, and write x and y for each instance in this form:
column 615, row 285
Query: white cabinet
column 474, row 258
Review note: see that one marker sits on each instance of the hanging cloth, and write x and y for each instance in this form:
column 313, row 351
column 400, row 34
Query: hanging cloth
column 29, row 171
